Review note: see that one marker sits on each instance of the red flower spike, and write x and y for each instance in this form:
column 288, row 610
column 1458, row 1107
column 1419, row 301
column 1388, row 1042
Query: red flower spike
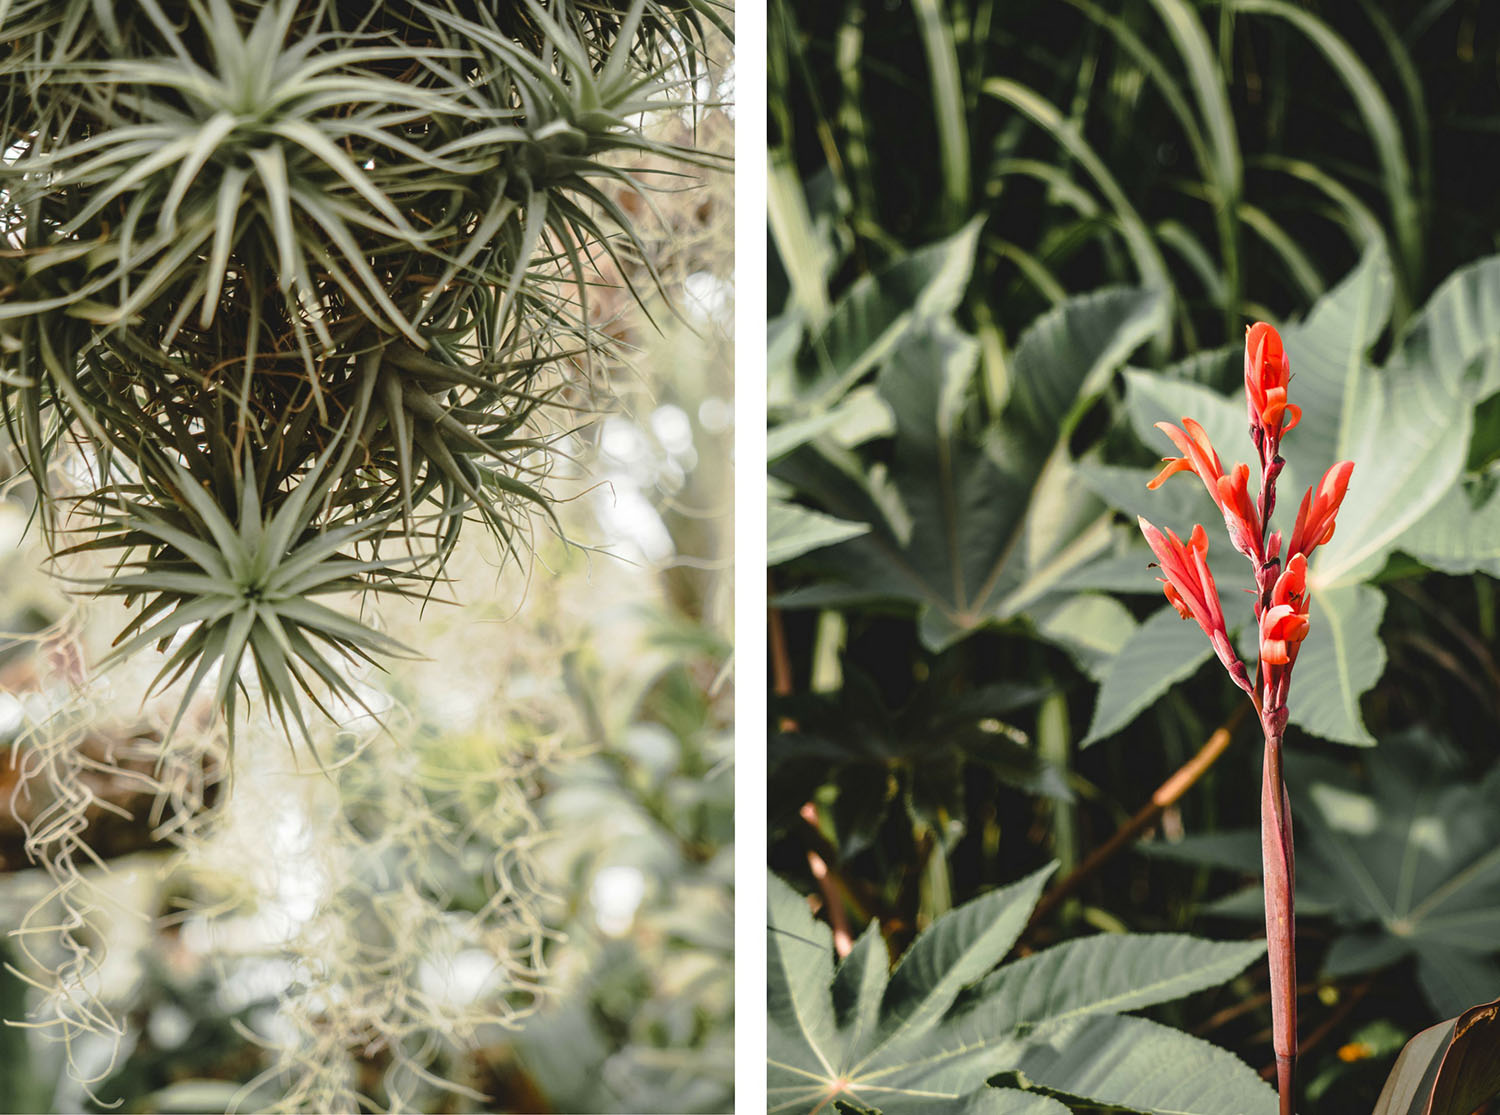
column 1281, row 603
column 1267, row 372
column 1230, row 492
column 1315, row 518
column 1189, row 587
column 1284, row 624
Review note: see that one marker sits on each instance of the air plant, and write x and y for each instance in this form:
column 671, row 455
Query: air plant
column 300, row 275
column 229, row 587
column 1281, row 612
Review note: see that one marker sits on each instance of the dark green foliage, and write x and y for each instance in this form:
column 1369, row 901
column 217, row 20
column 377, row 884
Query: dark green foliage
column 1249, row 151
column 907, row 760
column 952, row 187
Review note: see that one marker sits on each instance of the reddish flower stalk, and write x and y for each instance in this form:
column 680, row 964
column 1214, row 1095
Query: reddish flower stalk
column 1281, row 602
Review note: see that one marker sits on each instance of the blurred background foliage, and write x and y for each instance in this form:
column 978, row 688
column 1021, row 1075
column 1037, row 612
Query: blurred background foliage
column 1005, row 240
column 519, row 896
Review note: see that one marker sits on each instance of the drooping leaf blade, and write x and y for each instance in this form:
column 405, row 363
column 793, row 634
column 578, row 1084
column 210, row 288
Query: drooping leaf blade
column 1449, row 1069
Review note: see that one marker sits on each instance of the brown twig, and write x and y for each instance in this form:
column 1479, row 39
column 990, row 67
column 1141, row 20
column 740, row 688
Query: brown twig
column 1246, row 1006
column 1329, row 1024
column 1166, row 795
column 861, row 896
column 781, row 660
column 843, row 940
column 818, row 864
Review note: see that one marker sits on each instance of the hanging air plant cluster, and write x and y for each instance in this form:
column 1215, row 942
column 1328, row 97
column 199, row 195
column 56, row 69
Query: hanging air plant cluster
column 298, row 279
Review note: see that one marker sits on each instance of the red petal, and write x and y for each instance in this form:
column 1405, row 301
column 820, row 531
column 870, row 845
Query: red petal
column 1174, row 464
column 1175, row 599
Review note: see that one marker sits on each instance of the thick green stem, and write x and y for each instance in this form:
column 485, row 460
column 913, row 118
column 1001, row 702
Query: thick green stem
column 1280, row 880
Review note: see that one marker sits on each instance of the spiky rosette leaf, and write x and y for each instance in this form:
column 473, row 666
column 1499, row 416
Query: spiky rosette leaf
column 214, row 589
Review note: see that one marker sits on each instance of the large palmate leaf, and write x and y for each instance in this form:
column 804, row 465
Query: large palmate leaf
column 1406, row 426
column 1159, row 653
column 972, row 523
column 1341, row 658
column 1090, row 626
column 1461, row 532
column 866, row 325
column 1134, row 1064
column 816, row 354
column 1455, row 333
column 926, row 1036
column 1402, row 856
column 792, row 530
column 1457, row 336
